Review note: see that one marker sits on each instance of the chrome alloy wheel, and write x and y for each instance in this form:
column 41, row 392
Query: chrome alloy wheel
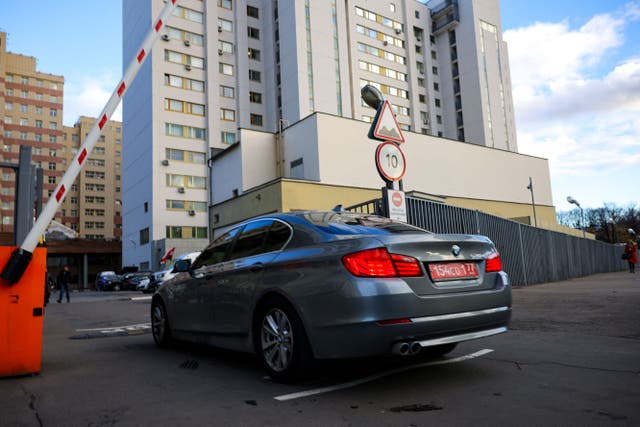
column 276, row 339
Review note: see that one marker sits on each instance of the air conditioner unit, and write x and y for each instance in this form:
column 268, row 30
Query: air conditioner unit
column 192, row 213
column 187, row 67
column 165, row 162
column 219, row 28
column 220, row 52
column 165, row 37
column 385, row 43
column 398, row 30
column 187, row 43
column 180, row 189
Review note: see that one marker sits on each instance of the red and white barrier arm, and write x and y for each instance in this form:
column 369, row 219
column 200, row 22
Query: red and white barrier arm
column 21, row 256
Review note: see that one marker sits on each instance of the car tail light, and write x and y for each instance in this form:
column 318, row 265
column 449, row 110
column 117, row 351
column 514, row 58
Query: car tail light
column 493, row 263
column 379, row 263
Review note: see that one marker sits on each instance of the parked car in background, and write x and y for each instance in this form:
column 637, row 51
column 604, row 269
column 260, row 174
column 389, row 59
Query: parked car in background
column 108, row 281
column 131, row 281
column 167, row 273
column 304, row 285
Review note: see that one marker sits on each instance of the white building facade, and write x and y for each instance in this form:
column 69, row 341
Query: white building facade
column 263, row 65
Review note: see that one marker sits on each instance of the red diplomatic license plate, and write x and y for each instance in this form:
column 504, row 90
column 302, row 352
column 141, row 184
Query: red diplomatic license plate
column 453, row 270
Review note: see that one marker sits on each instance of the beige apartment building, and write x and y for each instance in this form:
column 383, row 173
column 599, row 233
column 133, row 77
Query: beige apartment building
column 31, row 113
column 93, row 206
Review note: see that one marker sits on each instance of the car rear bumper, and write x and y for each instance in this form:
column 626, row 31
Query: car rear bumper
column 372, row 325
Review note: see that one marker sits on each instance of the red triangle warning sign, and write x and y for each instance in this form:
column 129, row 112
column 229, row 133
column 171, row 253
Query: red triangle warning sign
column 385, row 126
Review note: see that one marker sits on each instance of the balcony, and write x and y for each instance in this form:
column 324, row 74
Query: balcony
column 444, row 15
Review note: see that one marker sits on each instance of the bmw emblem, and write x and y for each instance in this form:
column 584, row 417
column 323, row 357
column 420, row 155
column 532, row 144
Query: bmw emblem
column 455, row 250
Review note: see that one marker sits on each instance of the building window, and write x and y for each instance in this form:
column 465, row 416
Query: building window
column 417, row 14
column 437, row 100
column 227, row 137
column 254, row 76
column 186, row 181
column 227, row 92
column 183, row 107
column 177, row 155
column 225, row 47
column 253, row 12
column 24, row 108
column 38, row 110
column 51, row 179
column 225, row 25
column 227, row 114
column 226, row 69
column 226, row 4
column 256, row 119
column 255, row 97
column 434, row 70
column 172, row 129
column 436, row 86
column 253, row 33
column 144, row 236
column 254, row 54
column 179, row 232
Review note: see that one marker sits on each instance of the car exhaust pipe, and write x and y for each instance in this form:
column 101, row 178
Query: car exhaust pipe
column 414, row 347
column 401, row 348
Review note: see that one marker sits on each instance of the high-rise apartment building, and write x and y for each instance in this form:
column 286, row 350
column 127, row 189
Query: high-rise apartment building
column 264, row 65
column 30, row 114
column 93, row 204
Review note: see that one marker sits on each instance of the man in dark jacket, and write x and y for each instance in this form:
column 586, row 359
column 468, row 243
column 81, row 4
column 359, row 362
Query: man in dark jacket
column 64, row 277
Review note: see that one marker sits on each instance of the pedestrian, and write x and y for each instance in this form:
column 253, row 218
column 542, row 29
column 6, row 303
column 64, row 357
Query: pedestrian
column 64, row 277
column 631, row 252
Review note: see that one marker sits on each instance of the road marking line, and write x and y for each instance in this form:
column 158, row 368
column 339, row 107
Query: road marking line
column 141, row 298
column 354, row 383
column 118, row 328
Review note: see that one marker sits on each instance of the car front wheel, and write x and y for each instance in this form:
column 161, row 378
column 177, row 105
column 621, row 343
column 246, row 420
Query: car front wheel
column 281, row 342
column 160, row 324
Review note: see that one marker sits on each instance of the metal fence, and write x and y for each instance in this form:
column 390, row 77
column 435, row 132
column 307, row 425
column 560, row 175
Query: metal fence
column 529, row 254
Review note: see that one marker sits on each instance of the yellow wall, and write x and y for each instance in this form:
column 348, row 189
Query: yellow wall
column 283, row 195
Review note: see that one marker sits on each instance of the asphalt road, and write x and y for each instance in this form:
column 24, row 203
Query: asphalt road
column 571, row 358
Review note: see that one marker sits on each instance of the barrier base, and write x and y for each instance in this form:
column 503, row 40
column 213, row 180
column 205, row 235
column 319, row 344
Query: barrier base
column 21, row 316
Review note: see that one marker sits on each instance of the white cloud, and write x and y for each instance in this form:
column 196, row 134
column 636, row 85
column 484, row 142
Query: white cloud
column 87, row 96
column 572, row 105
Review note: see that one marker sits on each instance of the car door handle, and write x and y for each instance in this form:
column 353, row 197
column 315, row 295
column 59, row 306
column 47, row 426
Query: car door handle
column 257, row 267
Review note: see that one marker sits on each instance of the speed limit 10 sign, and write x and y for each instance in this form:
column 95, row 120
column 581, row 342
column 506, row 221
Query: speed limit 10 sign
column 390, row 161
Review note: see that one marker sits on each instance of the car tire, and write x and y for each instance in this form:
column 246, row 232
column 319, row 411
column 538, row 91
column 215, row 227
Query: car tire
column 160, row 324
column 281, row 342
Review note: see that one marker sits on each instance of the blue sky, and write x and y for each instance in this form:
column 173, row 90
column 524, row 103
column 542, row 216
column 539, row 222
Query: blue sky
column 575, row 71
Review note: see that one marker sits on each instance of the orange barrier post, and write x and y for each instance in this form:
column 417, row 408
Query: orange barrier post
column 21, row 316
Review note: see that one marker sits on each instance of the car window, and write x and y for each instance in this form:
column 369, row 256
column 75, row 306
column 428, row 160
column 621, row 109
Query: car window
column 353, row 223
column 217, row 251
column 251, row 240
column 278, row 235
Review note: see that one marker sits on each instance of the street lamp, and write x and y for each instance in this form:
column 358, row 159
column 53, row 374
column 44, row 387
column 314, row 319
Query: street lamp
column 575, row 202
column 533, row 202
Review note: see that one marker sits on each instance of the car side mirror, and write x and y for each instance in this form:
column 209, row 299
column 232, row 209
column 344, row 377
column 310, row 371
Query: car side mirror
column 182, row 266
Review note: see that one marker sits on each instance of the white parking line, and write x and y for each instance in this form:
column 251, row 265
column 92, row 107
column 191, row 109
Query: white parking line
column 354, row 383
column 118, row 328
column 148, row 297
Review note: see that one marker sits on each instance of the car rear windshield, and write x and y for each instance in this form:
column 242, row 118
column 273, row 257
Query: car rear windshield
column 347, row 223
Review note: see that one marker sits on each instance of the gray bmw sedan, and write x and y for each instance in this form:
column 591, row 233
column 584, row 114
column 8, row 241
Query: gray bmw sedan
column 293, row 287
